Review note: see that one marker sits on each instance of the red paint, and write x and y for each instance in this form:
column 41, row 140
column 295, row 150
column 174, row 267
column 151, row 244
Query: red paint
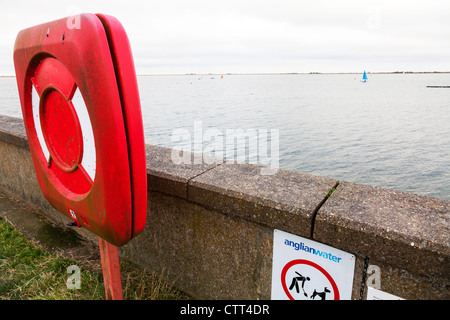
column 111, row 270
column 131, row 107
column 96, row 61
column 61, row 129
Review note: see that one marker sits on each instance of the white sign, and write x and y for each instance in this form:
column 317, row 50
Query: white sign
column 304, row 269
column 375, row 294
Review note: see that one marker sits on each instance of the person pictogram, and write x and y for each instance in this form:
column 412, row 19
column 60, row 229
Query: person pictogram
column 295, row 282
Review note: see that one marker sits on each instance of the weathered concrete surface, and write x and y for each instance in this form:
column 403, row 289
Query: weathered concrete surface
column 403, row 233
column 168, row 177
column 285, row 200
column 16, row 168
column 206, row 253
column 13, row 131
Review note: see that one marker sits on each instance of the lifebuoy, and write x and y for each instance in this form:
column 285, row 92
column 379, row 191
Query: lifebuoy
column 82, row 114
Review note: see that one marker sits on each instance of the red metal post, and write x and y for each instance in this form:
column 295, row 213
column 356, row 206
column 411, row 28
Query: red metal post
column 111, row 270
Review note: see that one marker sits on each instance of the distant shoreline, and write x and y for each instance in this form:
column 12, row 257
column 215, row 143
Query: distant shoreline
column 273, row 73
column 288, row 73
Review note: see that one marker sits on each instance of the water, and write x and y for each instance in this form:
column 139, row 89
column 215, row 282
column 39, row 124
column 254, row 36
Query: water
column 390, row 132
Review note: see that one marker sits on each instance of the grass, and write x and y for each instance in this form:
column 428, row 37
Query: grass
column 27, row 271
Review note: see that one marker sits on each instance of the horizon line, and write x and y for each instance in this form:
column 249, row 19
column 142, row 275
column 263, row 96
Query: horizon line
column 271, row 73
column 286, row 73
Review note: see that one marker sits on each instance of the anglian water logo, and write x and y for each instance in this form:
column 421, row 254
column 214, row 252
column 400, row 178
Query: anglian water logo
column 301, row 246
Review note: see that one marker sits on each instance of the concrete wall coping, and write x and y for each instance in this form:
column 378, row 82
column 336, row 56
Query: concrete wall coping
column 12, row 130
column 397, row 228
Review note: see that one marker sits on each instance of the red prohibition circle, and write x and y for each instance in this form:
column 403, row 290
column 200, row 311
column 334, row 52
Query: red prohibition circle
column 312, row 264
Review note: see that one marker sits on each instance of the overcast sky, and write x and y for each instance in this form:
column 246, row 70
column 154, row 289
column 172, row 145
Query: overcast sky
column 256, row 36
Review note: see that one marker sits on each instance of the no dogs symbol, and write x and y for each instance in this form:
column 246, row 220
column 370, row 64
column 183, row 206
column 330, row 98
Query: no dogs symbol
column 304, row 269
column 306, row 280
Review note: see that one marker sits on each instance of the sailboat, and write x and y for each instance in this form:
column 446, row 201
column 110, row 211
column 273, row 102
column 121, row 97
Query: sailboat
column 364, row 79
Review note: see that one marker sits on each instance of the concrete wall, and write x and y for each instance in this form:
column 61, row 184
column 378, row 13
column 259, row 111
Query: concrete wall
column 210, row 227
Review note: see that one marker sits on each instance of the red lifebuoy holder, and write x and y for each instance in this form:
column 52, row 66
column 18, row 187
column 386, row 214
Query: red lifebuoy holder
column 82, row 113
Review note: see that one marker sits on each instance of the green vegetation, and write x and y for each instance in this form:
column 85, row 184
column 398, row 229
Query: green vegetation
column 330, row 192
column 27, row 271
